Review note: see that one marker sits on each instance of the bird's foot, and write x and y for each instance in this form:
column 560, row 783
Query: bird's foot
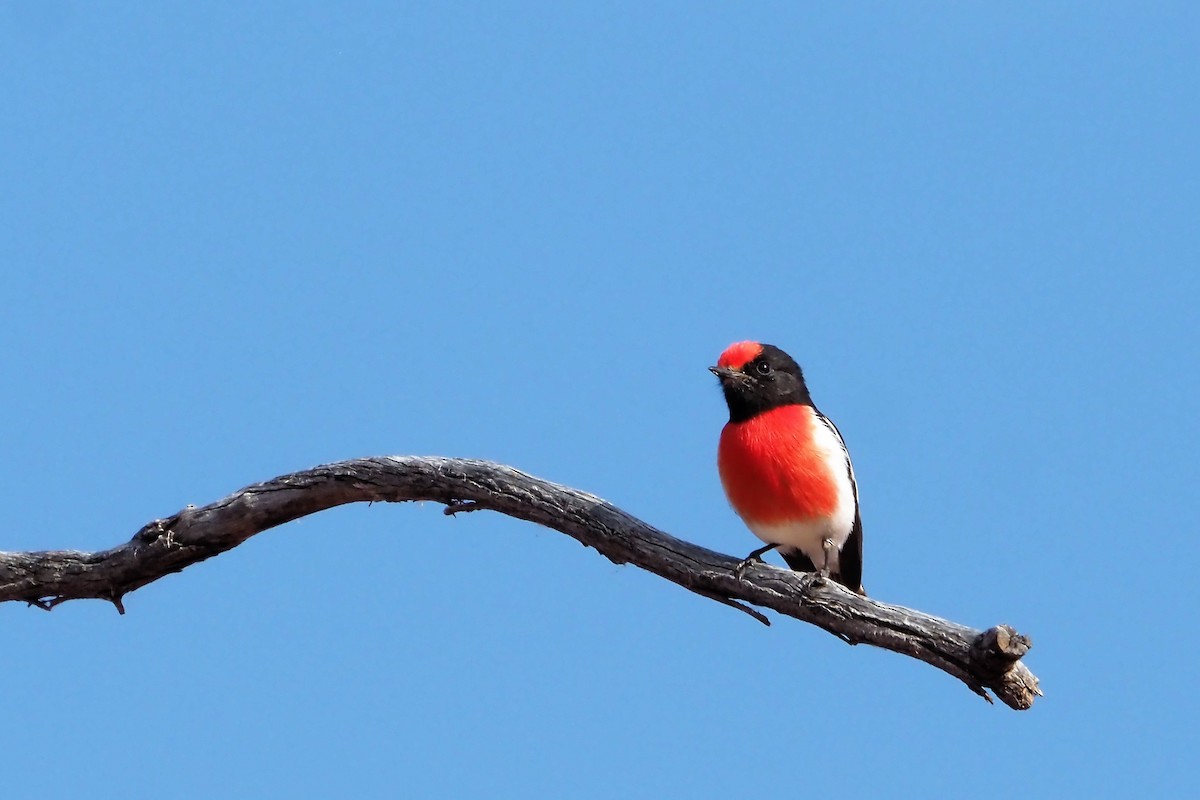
column 744, row 563
column 750, row 559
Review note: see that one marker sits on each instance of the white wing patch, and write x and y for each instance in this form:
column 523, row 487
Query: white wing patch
column 845, row 453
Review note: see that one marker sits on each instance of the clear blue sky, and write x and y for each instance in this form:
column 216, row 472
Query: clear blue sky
column 244, row 239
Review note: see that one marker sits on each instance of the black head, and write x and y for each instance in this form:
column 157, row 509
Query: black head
column 758, row 377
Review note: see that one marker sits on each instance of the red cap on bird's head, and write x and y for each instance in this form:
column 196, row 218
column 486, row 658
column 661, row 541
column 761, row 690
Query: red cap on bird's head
column 739, row 354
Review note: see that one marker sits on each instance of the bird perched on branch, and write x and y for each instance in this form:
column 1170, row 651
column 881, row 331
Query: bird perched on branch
column 785, row 468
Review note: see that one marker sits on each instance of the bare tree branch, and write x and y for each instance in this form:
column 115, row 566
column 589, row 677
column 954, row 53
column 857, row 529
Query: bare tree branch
column 982, row 660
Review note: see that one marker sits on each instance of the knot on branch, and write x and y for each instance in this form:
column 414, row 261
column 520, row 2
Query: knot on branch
column 996, row 650
column 153, row 530
column 996, row 654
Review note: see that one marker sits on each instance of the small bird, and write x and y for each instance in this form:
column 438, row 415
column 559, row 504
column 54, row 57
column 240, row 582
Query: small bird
column 785, row 468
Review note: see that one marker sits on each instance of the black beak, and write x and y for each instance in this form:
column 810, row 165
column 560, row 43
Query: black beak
column 724, row 373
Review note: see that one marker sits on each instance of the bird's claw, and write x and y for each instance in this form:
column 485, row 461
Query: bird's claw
column 743, row 564
column 748, row 560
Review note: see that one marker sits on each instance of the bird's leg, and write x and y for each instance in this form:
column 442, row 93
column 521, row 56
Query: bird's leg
column 748, row 560
column 826, row 548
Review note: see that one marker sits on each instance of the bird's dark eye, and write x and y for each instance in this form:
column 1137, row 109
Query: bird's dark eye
column 762, row 368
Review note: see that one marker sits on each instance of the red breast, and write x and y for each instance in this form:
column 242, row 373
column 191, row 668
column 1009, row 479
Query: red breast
column 771, row 469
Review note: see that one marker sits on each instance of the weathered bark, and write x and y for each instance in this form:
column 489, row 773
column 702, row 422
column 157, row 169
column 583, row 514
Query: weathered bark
column 982, row 660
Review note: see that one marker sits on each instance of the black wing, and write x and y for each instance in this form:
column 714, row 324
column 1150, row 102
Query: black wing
column 796, row 559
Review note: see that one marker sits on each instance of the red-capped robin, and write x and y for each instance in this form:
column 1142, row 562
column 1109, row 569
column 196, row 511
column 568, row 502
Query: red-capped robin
column 784, row 466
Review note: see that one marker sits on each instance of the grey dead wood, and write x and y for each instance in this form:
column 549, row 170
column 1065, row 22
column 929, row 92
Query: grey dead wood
column 983, row 660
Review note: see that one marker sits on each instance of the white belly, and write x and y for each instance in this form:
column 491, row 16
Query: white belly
column 809, row 537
